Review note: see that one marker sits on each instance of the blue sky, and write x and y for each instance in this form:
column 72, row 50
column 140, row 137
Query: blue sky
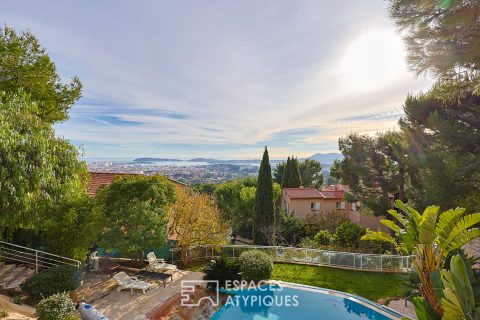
column 222, row 79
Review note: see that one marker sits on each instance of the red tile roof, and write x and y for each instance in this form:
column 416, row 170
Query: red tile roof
column 302, row 193
column 333, row 194
column 312, row 193
column 99, row 179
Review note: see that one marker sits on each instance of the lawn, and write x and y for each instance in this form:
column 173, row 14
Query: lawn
column 371, row 285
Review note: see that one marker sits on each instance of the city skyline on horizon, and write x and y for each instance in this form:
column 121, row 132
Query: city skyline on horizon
column 225, row 79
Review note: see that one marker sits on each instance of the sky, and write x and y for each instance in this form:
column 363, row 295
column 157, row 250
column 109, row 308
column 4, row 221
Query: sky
column 224, row 78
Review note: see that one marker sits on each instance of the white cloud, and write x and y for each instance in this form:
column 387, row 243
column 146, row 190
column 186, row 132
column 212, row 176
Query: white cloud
column 232, row 74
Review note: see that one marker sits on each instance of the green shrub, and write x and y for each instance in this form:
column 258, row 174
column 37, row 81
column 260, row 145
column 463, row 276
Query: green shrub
column 373, row 246
column 308, row 243
column 291, row 229
column 222, row 269
column 3, row 313
column 323, row 221
column 54, row 280
column 58, row 306
column 348, row 234
column 17, row 299
column 255, row 265
column 323, row 238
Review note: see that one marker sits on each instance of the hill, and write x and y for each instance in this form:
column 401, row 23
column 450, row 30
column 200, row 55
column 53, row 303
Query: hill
column 326, row 158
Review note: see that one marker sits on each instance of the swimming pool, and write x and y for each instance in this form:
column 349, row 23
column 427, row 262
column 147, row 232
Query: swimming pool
column 312, row 303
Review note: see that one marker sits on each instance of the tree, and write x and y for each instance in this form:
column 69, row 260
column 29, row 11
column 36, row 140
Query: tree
column 25, row 65
column 444, row 148
column 196, row 220
column 290, row 230
column 264, row 215
column 37, row 169
column 291, row 175
column 286, row 173
column 442, row 37
column 295, row 179
column 374, row 168
column 208, row 188
column 278, row 171
column 432, row 236
column 236, row 200
column 136, row 211
column 74, row 226
column 311, row 173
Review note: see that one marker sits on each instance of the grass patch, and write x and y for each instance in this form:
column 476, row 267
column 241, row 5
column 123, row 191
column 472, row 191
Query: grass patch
column 371, row 285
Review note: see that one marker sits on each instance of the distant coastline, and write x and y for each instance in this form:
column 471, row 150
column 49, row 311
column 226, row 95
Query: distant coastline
column 323, row 158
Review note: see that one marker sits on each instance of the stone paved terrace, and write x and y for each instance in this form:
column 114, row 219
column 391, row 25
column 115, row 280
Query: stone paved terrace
column 124, row 305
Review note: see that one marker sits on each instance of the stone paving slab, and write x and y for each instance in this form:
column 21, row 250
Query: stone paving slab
column 125, row 305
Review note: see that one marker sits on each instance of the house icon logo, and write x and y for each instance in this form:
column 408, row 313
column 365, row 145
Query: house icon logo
column 188, row 298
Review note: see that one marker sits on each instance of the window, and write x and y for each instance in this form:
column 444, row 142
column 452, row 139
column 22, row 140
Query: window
column 341, row 205
column 315, row 206
column 354, row 206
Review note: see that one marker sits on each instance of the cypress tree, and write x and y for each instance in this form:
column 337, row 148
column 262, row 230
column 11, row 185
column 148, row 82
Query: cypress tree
column 291, row 175
column 296, row 180
column 286, row 172
column 264, row 216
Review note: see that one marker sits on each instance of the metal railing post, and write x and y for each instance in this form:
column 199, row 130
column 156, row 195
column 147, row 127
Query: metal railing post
column 36, row 261
column 361, row 261
column 381, row 262
column 233, row 252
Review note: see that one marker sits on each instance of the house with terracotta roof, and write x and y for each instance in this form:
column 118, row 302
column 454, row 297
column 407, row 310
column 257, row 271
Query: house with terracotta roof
column 303, row 202
column 99, row 179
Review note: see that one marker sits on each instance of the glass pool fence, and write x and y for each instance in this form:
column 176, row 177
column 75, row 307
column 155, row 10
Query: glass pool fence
column 361, row 261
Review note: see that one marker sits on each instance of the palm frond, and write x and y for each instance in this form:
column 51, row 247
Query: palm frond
column 446, row 221
column 380, row 236
column 426, row 231
column 461, row 226
column 391, row 225
column 458, row 241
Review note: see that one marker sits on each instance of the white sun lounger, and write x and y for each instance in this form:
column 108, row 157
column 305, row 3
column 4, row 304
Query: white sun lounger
column 159, row 265
column 126, row 282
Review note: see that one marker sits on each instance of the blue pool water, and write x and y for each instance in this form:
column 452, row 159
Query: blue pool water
column 273, row 304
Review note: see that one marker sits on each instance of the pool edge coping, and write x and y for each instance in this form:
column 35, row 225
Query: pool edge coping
column 356, row 298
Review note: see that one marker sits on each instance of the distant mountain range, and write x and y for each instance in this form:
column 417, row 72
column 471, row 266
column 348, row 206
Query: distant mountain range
column 327, row 158
column 323, row 158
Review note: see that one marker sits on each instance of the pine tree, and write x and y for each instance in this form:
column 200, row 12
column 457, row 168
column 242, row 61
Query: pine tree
column 264, row 216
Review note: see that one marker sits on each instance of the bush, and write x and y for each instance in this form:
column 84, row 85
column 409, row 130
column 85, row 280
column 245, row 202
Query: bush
column 290, row 230
column 349, row 234
column 58, row 306
column 308, row 243
column 319, row 221
column 3, row 313
column 374, row 246
column 255, row 265
column 50, row 281
column 323, row 238
column 17, row 299
column 222, row 269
